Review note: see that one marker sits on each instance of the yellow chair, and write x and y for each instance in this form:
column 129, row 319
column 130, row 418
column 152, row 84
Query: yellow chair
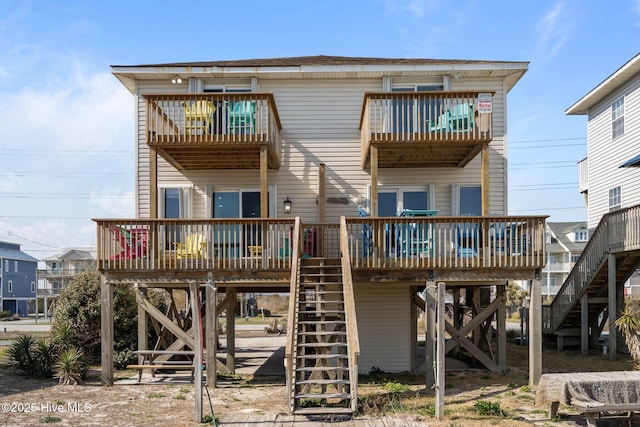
column 192, row 247
column 198, row 117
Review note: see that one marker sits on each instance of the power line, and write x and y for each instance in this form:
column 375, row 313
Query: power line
column 546, row 146
column 63, row 195
column 11, row 233
column 547, row 140
column 547, row 209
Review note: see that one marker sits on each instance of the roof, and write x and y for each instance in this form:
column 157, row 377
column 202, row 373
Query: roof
column 634, row 162
column 13, row 252
column 321, row 66
column 609, row 85
column 88, row 254
column 561, row 229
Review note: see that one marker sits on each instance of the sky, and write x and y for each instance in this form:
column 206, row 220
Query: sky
column 67, row 125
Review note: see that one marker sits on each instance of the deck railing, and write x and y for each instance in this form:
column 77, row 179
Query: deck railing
column 374, row 243
column 425, row 117
column 194, row 244
column 617, row 232
column 213, row 118
column 447, row 242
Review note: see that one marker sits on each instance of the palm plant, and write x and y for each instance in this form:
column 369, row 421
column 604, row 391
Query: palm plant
column 71, row 366
column 629, row 326
column 21, row 354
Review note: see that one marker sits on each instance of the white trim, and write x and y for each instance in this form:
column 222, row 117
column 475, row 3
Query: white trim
column 210, row 189
column 399, row 189
column 455, row 196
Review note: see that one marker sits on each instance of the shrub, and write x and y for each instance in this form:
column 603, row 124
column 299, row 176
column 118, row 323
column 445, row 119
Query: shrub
column 395, row 387
column 79, row 304
column 4, row 314
column 123, row 358
column 71, row 366
column 22, row 355
column 488, row 408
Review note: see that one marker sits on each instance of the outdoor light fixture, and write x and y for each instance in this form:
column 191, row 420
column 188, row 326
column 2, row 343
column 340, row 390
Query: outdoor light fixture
column 176, row 80
column 287, row 205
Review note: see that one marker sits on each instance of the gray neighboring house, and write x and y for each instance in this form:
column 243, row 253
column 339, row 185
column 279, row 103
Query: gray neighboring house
column 17, row 279
column 60, row 269
column 565, row 243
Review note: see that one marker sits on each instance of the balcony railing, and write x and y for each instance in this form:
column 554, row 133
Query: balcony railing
column 208, row 121
column 583, row 170
column 456, row 123
column 447, row 243
column 392, row 243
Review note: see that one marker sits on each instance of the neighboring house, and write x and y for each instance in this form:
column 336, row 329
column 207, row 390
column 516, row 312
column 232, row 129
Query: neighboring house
column 60, row 269
column 355, row 184
column 17, row 279
column 565, row 243
column 609, row 176
column 610, row 182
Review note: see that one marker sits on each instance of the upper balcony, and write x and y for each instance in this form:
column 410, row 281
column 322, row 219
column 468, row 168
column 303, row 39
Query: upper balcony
column 425, row 129
column 214, row 130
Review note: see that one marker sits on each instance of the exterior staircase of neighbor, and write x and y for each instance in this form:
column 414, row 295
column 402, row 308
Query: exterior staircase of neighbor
column 322, row 379
column 617, row 234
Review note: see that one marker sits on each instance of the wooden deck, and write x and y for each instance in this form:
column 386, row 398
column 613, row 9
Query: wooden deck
column 392, row 248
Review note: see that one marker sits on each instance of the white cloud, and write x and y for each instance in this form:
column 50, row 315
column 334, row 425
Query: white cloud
column 554, row 30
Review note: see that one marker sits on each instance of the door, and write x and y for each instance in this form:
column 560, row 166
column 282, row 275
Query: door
column 237, row 204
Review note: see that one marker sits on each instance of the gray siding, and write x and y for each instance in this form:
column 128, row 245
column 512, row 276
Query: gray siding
column 384, row 326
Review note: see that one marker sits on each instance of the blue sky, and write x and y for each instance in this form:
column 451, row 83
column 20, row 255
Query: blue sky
column 66, row 139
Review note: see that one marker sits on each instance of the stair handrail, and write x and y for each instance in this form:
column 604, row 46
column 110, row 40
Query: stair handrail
column 616, row 231
column 353, row 342
column 293, row 305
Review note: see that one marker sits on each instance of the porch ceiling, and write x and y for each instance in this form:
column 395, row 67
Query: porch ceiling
column 415, row 154
column 200, row 157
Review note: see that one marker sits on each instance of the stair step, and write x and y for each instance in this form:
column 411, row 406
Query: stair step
column 312, row 333
column 320, row 312
column 323, row 344
column 322, row 356
column 323, row 396
column 322, row 382
column 321, row 322
column 322, row 369
column 320, row 410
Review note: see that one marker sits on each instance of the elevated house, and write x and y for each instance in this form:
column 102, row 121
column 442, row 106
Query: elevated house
column 592, row 296
column 353, row 184
column 17, row 279
column 60, row 269
column 565, row 243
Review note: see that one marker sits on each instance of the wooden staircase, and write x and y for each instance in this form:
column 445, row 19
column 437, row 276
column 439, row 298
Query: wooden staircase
column 321, row 370
column 617, row 234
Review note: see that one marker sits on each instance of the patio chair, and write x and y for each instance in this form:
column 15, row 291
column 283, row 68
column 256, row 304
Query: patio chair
column 242, row 117
column 367, row 244
column 193, row 246
column 467, row 240
column 198, row 116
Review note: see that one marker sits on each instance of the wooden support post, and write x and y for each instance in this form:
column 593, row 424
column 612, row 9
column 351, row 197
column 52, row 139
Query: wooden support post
column 321, row 207
column 264, row 187
column 477, row 333
column 584, row 325
column 231, row 330
column 153, row 183
column 612, row 308
column 430, row 334
column 413, row 315
column 486, row 194
column 106, row 329
column 374, row 181
column 501, row 324
column 211, row 315
column 198, row 349
column 440, row 365
column 142, row 327
column 535, row 331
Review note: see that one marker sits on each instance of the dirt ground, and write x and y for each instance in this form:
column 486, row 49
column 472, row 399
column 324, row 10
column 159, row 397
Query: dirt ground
column 257, row 401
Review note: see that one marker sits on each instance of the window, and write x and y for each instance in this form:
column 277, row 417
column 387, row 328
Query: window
column 407, row 112
column 617, row 118
column 614, row 199
column 6, row 265
column 392, row 201
column 553, row 259
column 15, row 266
column 467, row 200
column 10, row 286
column 175, row 202
column 581, row 236
column 574, row 258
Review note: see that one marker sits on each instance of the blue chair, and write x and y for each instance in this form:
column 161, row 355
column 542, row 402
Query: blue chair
column 367, row 247
column 242, row 117
column 413, row 238
column 467, row 240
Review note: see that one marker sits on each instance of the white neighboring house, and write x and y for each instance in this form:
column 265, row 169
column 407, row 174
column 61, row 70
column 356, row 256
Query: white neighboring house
column 565, row 243
column 610, row 175
column 60, row 269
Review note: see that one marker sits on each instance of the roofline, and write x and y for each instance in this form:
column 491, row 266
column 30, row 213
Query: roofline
column 316, row 64
column 611, row 83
